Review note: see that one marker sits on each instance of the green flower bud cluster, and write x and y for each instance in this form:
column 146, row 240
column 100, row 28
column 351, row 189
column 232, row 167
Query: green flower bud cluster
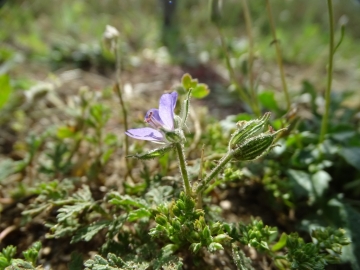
column 330, row 239
column 254, row 234
column 303, row 255
column 182, row 224
column 325, row 248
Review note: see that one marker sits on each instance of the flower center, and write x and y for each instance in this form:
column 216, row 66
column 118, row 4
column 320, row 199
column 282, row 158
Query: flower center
column 151, row 120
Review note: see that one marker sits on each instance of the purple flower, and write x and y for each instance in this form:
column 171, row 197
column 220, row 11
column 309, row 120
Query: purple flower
column 158, row 119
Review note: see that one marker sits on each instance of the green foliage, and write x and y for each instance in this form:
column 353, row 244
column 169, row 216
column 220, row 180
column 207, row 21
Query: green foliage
column 30, row 257
column 198, row 90
column 255, row 234
column 73, row 170
column 304, row 256
column 69, row 216
column 182, row 224
column 113, row 262
column 6, row 256
column 5, row 88
column 242, row 262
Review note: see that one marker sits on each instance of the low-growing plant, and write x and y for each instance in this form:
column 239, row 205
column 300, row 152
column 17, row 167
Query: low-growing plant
column 160, row 218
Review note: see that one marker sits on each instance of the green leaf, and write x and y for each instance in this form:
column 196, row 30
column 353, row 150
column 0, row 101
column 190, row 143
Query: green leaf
column 65, row 132
column 267, row 99
column 242, row 262
column 72, row 211
column 5, row 89
column 186, row 81
column 6, row 255
column 125, row 200
column 107, row 155
column 76, row 261
column 351, row 156
column 31, row 255
column 353, row 224
column 158, row 152
column 200, row 91
column 215, row 246
column 7, row 167
column 320, row 182
column 281, row 243
column 88, row 232
column 139, row 213
column 301, row 182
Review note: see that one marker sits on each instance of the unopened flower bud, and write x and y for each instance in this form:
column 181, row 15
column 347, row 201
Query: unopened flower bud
column 110, row 37
column 161, row 219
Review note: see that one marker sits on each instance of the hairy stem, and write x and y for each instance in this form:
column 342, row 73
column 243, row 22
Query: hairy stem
column 223, row 161
column 183, row 169
column 325, row 118
column 278, row 55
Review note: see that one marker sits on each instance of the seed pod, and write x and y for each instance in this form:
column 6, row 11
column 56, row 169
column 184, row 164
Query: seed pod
column 158, row 152
column 248, row 129
column 255, row 147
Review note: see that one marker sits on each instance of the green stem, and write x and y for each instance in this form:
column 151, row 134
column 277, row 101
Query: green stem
column 248, row 23
column 278, row 55
column 118, row 91
column 183, row 170
column 325, row 118
column 223, row 161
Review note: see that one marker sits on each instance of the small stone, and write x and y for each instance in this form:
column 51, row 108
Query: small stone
column 225, row 205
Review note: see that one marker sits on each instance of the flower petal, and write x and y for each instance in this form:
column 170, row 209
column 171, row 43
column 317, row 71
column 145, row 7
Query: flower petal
column 152, row 117
column 147, row 134
column 166, row 109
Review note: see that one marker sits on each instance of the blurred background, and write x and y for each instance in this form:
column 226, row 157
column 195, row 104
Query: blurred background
column 43, row 37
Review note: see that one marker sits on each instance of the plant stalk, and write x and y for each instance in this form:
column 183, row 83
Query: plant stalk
column 278, row 55
column 223, row 161
column 248, row 23
column 183, row 169
column 118, row 91
column 325, row 118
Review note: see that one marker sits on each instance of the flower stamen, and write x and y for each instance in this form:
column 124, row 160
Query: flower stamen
column 150, row 119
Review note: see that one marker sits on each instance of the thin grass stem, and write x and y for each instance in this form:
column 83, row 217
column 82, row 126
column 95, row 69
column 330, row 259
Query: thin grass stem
column 118, row 91
column 248, row 23
column 278, row 55
column 324, row 123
